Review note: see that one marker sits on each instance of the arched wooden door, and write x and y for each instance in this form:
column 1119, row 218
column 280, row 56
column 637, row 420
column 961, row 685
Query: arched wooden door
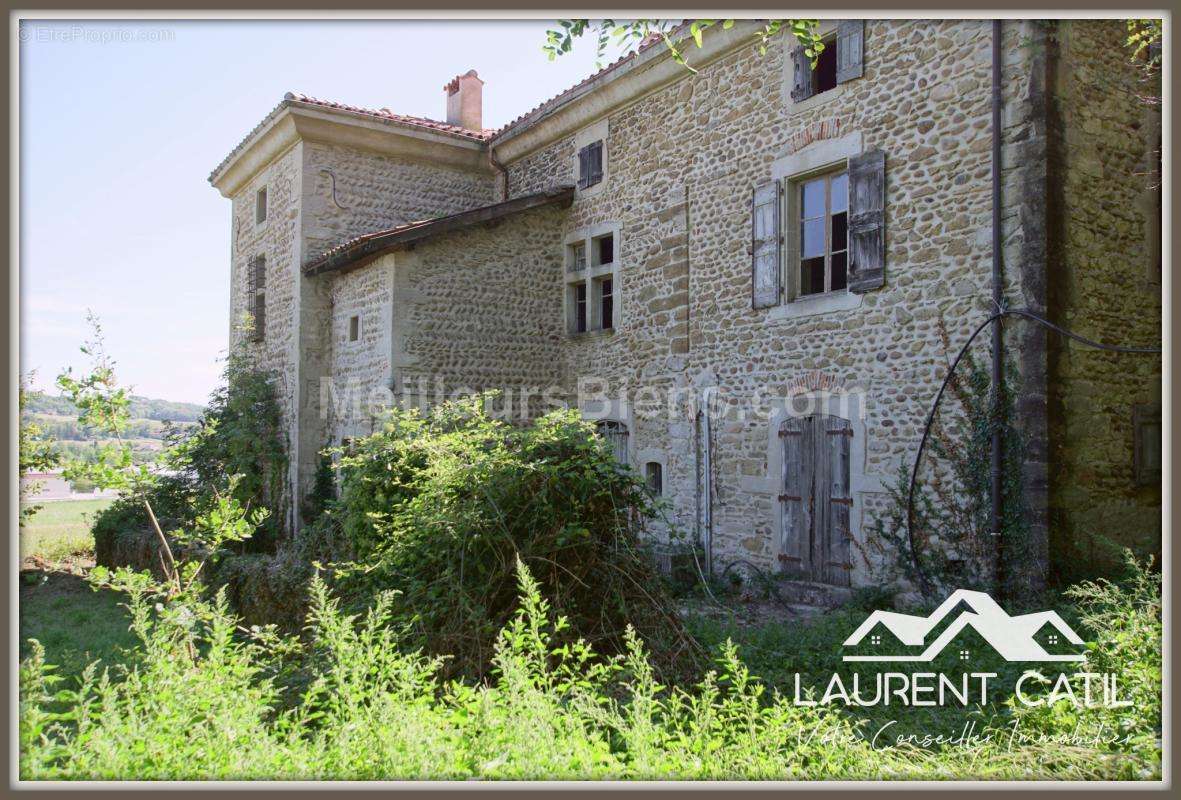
column 816, row 499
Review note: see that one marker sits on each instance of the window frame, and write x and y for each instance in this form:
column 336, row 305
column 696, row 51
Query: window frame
column 256, row 296
column 261, row 208
column 354, row 328
column 589, row 277
column 793, row 235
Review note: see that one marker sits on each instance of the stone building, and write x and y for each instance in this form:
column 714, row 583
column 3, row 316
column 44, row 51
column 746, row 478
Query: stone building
column 750, row 275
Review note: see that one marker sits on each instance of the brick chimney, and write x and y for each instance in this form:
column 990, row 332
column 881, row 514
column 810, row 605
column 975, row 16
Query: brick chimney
column 465, row 101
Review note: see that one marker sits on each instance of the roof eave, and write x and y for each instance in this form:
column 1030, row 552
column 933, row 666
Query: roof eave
column 294, row 120
column 366, row 249
column 638, row 75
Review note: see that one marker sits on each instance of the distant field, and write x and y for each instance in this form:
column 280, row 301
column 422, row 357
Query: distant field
column 59, row 526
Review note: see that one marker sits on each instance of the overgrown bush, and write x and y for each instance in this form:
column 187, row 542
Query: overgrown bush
column 377, row 708
column 441, row 506
column 237, row 446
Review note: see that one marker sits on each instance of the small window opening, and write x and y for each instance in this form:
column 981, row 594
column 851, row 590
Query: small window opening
column 580, row 308
column 578, row 257
column 606, row 304
column 824, row 75
column 605, row 250
column 654, row 475
column 354, row 328
column 260, row 206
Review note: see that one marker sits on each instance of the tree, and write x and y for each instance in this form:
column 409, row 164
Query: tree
column 627, row 35
column 36, row 453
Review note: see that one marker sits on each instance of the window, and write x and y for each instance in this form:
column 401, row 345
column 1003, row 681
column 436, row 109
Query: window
column 654, row 477
column 834, row 233
column 606, row 304
column 590, row 165
column 260, row 206
column 615, row 433
column 256, row 290
column 580, row 308
column 577, row 259
column 839, row 61
column 604, row 250
column 817, row 502
column 823, row 244
column 592, row 282
column 1146, row 445
column 354, row 328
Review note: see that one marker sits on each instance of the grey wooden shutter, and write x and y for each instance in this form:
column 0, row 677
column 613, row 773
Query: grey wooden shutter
column 801, row 86
column 850, row 49
column 867, row 221
column 764, row 250
column 596, row 163
column 838, row 433
column 795, row 541
column 583, row 167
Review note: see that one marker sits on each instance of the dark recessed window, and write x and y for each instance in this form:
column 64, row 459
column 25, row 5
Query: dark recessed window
column 260, row 205
column 654, row 476
column 824, row 76
column 605, row 249
column 580, row 308
column 256, row 288
column 1146, row 454
column 606, row 304
column 354, row 328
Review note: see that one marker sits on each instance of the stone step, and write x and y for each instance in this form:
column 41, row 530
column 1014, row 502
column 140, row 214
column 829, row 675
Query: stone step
column 816, row 595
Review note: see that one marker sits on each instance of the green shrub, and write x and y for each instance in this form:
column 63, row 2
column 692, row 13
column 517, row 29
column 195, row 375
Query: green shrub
column 376, row 708
column 236, row 446
column 440, row 507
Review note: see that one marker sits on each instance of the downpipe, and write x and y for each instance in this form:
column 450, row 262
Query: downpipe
column 997, row 510
column 705, row 490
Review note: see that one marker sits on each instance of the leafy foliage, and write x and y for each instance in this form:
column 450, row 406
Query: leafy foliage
column 625, row 35
column 35, row 453
column 377, row 708
column 953, row 536
column 442, row 506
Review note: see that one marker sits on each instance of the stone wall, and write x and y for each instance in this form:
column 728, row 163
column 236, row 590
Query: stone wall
column 277, row 239
column 320, row 195
column 480, row 309
column 1104, row 283
column 682, row 165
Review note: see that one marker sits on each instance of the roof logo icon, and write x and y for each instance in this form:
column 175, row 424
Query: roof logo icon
column 922, row 639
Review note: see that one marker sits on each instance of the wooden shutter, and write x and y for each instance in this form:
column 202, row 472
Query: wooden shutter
column 801, row 86
column 867, row 221
column 596, row 163
column 765, row 240
column 795, row 543
column 583, row 167
column 838, row 433
column 850, row 49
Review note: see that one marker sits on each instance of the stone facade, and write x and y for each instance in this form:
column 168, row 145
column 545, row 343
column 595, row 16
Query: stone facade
column 487, row 306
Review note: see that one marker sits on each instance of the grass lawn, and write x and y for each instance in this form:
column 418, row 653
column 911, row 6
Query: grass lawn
column 59, row 527
column 75, row 624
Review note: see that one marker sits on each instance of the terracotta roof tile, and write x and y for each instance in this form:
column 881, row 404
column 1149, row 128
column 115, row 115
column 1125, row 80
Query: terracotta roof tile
column 385, row 113
column 436, row 125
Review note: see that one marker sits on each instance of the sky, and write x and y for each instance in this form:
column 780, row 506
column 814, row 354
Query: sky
column 121, row 124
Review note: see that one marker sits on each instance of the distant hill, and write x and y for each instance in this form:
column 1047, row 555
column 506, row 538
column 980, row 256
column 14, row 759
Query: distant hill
column 58, row 418
column 141, row 408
